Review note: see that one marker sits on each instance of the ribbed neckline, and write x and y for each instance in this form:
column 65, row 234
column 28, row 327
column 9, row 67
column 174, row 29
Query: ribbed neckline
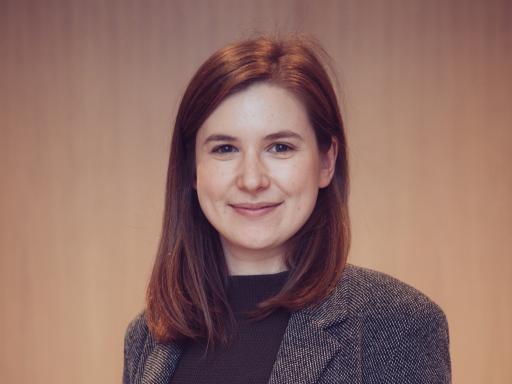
column 246, row 291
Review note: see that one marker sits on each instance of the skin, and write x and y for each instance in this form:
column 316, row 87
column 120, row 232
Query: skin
column 237, row 162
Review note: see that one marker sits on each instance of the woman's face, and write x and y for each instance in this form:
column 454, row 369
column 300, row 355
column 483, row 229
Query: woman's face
column 259, row 170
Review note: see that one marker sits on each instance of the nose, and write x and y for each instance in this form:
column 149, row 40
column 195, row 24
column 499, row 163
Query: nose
column 252, row 175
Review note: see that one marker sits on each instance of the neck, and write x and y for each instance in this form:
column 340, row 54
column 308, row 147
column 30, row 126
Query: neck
column 254, row 262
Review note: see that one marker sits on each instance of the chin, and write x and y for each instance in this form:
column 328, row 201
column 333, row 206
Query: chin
column 254, row 244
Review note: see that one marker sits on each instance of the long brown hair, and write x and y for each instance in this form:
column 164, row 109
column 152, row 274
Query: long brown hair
column 186, row 295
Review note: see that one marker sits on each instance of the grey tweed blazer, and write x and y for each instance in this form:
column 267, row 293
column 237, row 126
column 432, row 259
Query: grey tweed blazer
column 371, row 329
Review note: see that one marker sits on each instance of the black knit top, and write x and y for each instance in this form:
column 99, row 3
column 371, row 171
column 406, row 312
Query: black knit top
column 250, row 358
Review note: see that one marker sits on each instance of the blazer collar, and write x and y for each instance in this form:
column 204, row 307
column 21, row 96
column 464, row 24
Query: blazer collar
column 313, row 337
column 316, row 335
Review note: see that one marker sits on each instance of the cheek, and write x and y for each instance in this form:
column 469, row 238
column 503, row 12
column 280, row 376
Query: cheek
column 288, row 174
column 299, row 177
column 301, row 182
column 211, row 182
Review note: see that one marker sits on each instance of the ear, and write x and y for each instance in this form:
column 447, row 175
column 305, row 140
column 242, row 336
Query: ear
column 328, row 163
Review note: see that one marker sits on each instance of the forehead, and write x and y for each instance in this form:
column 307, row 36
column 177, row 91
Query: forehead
column 258, row 110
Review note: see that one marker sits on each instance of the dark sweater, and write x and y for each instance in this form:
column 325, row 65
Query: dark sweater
column 250, row 358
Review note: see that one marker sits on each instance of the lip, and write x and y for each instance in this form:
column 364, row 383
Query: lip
column 254, row 209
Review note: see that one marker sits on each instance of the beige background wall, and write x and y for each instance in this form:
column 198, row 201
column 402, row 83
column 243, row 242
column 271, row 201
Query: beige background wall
column 88, row 90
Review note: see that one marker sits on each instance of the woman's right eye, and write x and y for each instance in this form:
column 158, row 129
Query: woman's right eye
column 225, row 148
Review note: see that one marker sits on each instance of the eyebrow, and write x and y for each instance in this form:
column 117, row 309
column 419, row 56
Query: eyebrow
column 285, row 134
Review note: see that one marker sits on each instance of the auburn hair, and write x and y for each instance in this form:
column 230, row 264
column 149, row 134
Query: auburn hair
column 186, row 295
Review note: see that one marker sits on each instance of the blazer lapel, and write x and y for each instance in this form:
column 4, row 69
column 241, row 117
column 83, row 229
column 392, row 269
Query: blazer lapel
column 316, row 335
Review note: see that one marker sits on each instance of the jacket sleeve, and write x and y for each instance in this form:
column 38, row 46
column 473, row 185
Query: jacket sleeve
column 126, row 378
column 134, row 339
column 419, row 350
column 426, row 348
column 127, row 348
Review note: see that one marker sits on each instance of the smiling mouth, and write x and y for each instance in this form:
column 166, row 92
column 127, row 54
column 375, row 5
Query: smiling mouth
column 254, row 206
column 254, row 210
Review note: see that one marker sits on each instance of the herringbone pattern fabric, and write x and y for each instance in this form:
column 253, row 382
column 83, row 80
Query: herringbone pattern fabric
column 371, row 329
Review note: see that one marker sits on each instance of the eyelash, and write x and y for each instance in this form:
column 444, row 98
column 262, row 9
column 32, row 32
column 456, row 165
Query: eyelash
column 218, row 148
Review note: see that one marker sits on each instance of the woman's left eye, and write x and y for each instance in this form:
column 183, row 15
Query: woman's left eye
column 280, row 147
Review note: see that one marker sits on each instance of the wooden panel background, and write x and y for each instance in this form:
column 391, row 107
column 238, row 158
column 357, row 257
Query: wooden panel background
column 88, row 90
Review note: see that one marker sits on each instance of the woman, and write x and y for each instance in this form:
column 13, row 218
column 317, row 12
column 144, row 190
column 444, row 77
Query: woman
column 250, row 283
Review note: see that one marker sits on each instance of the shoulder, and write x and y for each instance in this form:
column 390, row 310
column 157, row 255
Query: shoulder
column 135, row 339
column 137, row 330
column 403, row 333
column 376, row 295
